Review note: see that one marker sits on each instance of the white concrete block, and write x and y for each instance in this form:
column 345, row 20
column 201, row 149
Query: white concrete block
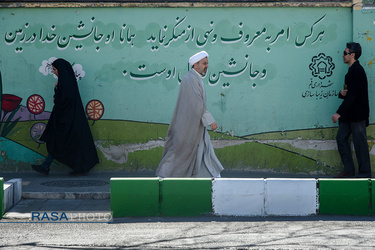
column 238, row 197
column 290, row 197
column 17, row 189
column 8, row 196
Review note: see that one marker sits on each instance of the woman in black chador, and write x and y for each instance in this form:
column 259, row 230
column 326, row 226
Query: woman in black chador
column 67, row 135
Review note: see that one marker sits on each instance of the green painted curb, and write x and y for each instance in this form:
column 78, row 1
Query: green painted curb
column 345, row 197
column 186, row 196
column 135, row 197
column 372, row 196
column 2, row 208
column 193, row 197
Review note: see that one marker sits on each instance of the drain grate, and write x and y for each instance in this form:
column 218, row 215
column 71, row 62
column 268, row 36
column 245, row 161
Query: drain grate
column 75, row 183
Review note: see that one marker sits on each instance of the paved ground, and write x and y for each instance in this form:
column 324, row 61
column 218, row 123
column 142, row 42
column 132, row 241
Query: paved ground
column 61, row 192
column 313, row 232
column 63, row 182
column 99, row 181
column 204, row 232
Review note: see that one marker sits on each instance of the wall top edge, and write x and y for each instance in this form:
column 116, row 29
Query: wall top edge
column 171, row 4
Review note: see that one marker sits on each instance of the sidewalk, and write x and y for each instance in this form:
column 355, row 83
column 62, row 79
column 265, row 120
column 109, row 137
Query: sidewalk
column 61, row 192
column 59, row 182
column 99, row 182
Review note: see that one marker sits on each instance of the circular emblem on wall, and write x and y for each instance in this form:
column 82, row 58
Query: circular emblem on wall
column 94, row 110
column 35, row 104
column 37, row 130
column 322, row 66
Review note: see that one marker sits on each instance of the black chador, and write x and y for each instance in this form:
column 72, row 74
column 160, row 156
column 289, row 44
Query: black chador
column 67, row 135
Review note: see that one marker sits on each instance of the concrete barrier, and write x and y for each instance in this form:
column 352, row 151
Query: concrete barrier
column 185, row 196
column 17, row 189
column 345, row 196
column 290, row 197
column 12, row 193
column 8, row 196
column 135, row 197
column 2, row 205
column 238, row 197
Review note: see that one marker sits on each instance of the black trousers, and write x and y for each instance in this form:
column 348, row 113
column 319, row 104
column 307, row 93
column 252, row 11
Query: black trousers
column 359, row 138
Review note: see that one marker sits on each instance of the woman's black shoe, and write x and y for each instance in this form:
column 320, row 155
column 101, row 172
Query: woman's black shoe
column 40, row 169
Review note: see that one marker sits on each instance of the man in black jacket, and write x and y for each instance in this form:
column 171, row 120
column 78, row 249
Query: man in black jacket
column 353, row 116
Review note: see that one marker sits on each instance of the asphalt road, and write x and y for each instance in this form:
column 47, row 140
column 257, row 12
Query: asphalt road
column 210, row 232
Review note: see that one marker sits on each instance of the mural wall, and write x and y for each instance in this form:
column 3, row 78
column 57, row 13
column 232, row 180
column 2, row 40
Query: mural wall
column 272, row 84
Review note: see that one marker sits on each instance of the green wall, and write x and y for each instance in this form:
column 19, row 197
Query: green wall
column 274, row 75
column 364, row 33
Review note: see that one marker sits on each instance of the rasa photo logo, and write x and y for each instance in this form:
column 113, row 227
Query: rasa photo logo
column 71, row 217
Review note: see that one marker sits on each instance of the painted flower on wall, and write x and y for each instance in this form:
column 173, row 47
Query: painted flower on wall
column 46, row 69
column 10, row 102
column 36, row 132
column 94, row 110
column 35, row 104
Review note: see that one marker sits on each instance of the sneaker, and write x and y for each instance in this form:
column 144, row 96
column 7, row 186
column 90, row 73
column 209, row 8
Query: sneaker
column 40, row 169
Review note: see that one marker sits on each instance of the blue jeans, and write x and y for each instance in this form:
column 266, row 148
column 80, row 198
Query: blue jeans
column 48, row 161
column 359, row 138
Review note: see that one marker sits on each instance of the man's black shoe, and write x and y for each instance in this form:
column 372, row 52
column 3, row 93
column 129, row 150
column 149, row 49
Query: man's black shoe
column 367, row 176
column 40, row 169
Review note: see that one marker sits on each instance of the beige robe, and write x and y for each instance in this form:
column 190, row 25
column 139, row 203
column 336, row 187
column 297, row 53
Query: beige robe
column 188, row 150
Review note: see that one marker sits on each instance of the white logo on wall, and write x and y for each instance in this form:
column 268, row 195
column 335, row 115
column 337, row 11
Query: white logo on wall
column 46, row 69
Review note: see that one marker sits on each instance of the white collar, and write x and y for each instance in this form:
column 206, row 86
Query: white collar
column 197, row 73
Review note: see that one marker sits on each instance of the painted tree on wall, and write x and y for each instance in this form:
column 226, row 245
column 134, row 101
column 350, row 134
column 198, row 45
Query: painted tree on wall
column 10, row 104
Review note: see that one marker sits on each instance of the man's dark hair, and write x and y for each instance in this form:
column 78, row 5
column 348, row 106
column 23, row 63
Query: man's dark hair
column 355, row 48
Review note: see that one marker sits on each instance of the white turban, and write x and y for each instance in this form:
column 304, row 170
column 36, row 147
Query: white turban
column 197, row 57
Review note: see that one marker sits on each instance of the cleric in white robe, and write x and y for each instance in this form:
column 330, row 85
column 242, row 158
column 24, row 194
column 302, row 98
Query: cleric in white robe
column 188, row 150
